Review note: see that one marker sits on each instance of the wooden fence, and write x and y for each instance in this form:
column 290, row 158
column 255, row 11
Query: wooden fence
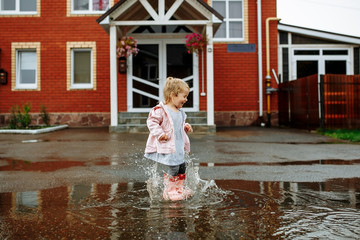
column 340, row 101
column 298, row 103
column 334, row 102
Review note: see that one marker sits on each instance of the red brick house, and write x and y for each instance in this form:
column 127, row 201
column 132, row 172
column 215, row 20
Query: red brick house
column 62, row 55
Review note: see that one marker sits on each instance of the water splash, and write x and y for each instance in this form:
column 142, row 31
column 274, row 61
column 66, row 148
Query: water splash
column 203, row 190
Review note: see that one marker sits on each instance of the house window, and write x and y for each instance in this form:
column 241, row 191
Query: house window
column 81, row 65
column 18, row 7
column 81, row 68
column 89, row 6
column 232, row 28
column 26, row 69
column 25, row 65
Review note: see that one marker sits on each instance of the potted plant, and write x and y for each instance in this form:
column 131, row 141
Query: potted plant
column 125, row 47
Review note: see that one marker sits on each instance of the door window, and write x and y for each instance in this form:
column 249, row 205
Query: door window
column 149, row 69
column 335, row 67
column 179, row 64
column 145, row 80
column 320, row 61
column 306, row 68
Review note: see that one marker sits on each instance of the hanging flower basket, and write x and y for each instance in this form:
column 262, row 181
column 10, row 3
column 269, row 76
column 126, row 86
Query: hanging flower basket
column 195, row 43
column 126, row 46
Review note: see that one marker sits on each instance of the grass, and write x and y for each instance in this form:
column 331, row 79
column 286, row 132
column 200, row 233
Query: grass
column 344, row 134
column 31, row 127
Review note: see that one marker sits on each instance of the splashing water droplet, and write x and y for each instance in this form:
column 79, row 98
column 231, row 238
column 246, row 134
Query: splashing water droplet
column 204, row 191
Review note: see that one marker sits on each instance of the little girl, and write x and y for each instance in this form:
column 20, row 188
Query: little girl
column 168, row 141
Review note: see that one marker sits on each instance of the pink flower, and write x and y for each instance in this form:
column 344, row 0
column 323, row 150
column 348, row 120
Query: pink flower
column 126, row 47
column 195, row 42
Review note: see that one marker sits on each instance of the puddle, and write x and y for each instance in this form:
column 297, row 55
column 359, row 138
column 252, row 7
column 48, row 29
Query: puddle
column 233, row 209
column 54, row 164
column 218, row 209
column 46, row 166
column 291, row 163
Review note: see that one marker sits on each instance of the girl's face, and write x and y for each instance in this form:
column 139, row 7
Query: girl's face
column 179, row 100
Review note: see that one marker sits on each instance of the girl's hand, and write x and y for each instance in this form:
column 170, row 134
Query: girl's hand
column 188, row 128
column 164, row 138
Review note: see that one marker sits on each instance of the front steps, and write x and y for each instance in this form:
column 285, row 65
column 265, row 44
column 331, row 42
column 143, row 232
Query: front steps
column 136, row 123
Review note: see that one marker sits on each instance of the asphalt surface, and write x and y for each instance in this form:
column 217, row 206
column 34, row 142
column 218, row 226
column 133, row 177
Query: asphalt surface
column 252, row 183
column 94, row 155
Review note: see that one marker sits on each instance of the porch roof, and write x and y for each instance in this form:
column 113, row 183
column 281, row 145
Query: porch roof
column 194, row 13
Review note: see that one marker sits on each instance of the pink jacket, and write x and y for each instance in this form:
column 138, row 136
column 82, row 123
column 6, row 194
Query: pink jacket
column 159, row 123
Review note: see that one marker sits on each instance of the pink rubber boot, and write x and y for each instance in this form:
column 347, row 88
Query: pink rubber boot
column 186, row 192
column 174, row 188
column 171, row 190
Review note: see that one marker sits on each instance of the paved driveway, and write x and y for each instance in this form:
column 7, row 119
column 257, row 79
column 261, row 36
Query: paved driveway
column 90, row 184
column 94, row 155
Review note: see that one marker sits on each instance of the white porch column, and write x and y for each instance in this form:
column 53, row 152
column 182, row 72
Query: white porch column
column 113, row 78
column 210, row 74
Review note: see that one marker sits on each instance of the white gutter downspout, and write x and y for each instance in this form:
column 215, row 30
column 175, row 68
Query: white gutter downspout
column 260, row 59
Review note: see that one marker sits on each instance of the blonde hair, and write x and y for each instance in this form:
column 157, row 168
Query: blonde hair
column 174, row 85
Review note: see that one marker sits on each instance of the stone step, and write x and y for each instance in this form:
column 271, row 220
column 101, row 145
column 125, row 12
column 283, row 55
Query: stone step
column 132, row 118
column 134, row 122
column 142, row 128
column 140, row 118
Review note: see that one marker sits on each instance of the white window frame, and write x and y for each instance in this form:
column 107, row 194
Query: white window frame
column 90, row 10
column 82, row 85
column 17, row 9
column 321, row 58
column 227, row 20
column 162, row 74
column 18, row 72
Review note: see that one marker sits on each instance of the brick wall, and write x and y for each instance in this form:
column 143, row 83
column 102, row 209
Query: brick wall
column 236, row 74
column 236, row 77
column 52, row 30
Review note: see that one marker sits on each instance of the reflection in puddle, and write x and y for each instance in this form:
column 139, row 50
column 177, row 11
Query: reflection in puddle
column 235, row 210
column 291, row 163
column 46, row 166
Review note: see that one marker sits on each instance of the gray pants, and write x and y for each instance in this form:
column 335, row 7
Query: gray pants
column 175, row 170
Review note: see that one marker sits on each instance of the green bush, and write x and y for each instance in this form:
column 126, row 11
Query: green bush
column 20, row 119
column 45, row 116
column 25, row 118
column 14, row 113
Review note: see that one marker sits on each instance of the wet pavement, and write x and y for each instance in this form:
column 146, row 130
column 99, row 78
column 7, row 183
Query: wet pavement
column 249, row 183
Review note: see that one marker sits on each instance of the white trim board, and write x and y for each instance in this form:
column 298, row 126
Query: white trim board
column 319, row 34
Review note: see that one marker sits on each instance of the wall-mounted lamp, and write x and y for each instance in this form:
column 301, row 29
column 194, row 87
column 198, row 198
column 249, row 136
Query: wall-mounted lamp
column 3, row 73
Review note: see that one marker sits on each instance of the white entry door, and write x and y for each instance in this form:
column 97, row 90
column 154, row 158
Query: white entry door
column 148, row 70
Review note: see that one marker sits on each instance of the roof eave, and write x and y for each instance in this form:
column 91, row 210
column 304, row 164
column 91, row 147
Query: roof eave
column 319, row 34
column 108, row 12
column 118, row 4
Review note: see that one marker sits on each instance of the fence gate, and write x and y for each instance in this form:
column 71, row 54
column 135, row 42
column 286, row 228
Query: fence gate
column 333, row 102
column 299, row 103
